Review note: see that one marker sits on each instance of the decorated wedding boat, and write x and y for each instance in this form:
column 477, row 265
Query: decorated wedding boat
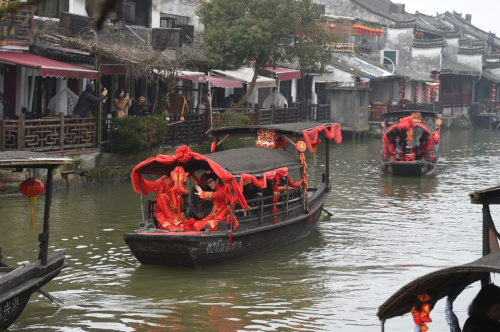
column 421, row 295
column 283, row 210
column 410, row 142
column 18, row 283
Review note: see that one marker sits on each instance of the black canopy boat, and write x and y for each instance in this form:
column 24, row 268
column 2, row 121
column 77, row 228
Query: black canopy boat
column 17, row 284
column 411, row 127
column 449, row 282
column 287, row 214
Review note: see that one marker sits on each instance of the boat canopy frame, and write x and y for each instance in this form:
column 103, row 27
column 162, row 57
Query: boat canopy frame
column 452, row 281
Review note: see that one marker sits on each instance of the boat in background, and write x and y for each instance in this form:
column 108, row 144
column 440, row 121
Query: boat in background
column 285, row 209
column 421, row 295
column 17, row 284
column 411, row 127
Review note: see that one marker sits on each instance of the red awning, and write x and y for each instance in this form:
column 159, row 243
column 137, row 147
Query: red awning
column 285, row 74
column 48, row 67
column 221, row 82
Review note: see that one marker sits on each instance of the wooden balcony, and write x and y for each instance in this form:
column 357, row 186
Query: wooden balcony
column 16, row 27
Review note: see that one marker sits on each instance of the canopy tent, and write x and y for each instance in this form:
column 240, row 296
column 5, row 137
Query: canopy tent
column 284, row 74
column 194, row 76
column 275, row 99
column 63, row 102
column 48, row 67
column 245, row 75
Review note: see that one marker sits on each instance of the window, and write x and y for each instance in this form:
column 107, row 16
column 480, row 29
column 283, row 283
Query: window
column 52, row 8
column 170, row 20
column 390, row 57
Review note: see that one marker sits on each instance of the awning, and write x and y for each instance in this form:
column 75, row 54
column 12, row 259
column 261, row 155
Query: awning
column 245, row 75
column 194, row 76
column 221, row 82
column 48, row 67
column 284, row 74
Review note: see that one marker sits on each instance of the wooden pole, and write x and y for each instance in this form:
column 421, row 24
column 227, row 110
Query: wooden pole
column 327, row 171
column 44, row 237
column 485, row 279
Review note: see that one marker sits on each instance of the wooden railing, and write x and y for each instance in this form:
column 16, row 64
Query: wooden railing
column 222, row 117
column 47, row 135
column 379, row 108
column 340, row 47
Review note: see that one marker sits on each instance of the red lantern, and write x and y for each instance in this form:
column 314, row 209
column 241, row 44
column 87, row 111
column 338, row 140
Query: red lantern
column 331, row 26
column 32, row 187
column 280, row 143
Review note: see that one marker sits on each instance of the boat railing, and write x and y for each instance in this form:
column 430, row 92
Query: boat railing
column 257, row 207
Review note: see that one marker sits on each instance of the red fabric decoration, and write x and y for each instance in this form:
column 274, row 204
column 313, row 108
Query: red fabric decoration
column 150, row 186
column 214, row 146
column 422, row 317
column 183, row 154
column 311, row 136
column 179, row 177
column 262, row 182
column 32, row 187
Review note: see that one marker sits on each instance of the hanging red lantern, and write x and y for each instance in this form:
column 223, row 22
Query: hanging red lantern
column 280, row 143
column 32, row 187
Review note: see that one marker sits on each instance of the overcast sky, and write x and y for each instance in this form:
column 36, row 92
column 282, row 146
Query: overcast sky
column 485, row 13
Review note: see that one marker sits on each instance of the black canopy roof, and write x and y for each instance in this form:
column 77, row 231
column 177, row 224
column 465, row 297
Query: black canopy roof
column 486, row 196
column 404, row 113
column 294, row 128
column 28, row 159
column 438, row 284
column 251, row 160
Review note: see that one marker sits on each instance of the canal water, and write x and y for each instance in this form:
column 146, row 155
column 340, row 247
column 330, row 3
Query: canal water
column 385, row 231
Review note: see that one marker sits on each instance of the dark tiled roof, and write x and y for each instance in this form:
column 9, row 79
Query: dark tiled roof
column 449, row 66
column 383, row 8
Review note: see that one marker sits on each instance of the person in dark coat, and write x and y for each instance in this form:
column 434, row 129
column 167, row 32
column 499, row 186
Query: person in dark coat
column 87, row 100
column 484, row 311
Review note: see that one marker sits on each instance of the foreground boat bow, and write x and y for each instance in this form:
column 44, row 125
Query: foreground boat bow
column 17, row 284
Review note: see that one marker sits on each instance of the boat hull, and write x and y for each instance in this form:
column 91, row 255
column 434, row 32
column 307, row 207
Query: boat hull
column 17, row 285
column 193, row 249
column 409, row 168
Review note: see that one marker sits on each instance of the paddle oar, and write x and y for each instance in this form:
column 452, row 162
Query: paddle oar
column 331, row 214
column 43, row 292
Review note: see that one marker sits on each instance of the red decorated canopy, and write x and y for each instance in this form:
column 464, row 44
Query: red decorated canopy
column 190, row 161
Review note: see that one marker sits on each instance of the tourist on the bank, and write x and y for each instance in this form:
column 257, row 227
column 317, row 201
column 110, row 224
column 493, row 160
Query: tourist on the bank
column 87, row 101
column 122, row 103
column 138, row 107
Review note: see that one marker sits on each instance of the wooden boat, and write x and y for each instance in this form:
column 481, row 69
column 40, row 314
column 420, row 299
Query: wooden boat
column 410, row 126
column 266, row 222
column 450, row 282
column 17, row 284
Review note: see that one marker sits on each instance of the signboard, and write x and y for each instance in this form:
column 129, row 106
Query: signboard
column 8, row 31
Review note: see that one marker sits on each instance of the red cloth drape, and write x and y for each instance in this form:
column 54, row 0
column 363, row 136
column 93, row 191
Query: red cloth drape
column 147, row 186
column 311, row 136
column 262, row 182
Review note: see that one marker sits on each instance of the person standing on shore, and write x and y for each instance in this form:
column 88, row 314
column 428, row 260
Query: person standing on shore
column 87, row 101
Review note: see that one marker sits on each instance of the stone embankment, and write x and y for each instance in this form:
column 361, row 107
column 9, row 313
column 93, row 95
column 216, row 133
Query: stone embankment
column 89, row 169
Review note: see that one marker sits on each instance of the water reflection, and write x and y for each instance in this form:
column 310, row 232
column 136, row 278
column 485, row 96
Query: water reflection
column 385, row 231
